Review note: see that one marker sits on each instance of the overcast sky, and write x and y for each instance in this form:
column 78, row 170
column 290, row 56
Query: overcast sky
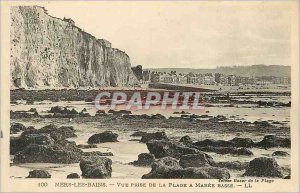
column 187, row 34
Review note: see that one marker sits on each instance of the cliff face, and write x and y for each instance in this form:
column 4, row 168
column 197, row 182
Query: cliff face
column 51, row 52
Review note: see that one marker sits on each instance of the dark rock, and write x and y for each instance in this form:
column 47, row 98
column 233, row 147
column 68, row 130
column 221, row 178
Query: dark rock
column 156, row 136
column 262, row 123
column 168, row 168
column 263, row 167
column 64, row 152
column 84, row 114
column 18, row 144
column 56, row 109
column 16, row 128
column 196, row 160
column 33, row 110
column 186, row 140
column 96, row 167
column 242, row 142
column 219, row 118
column 61, row 110
column 86, row 146
column 242, row 152
column 55, row 132
column 287, row 177
column 73, row 176
column 270, row 141
column 280, row 153
column 139, row 134
column 144, row 159
column 97, row 153
column 100, row 113
column 125, row 112
column 106, row 136
column 161, row 148
column 158, row 116
column 233, row 165
column 213, row 143
column 39, row 174
column 226, row 150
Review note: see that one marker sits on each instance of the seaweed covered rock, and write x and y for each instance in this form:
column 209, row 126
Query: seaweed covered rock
column 144, row 159
column 154, row 136
column 196, row 160
column 169, row 168
column 57, row 133
column 39, row 174
column 96, row 167
column 270, row 141
column 186, row 140
column 104, row 137
column 213, row 143
column 226, row 150
column 64, row 152
column 233, row 165
column 139, row 134
column 280, row 153
column 162, row 148
column 16, row 128
column 73, row 176
column 242, row 142
column 263, row 167
column 18, row 144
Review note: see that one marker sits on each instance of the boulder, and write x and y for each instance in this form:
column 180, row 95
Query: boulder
column 213, row 143
column 144, row 159
column 206, row 173
column 64, row 152
column 104, row 137
column 39, row 174
column 33, row 110
column 242, row 142
column 263, row 167
column 16, row 128
column 242, row 151
column 162, row 148
column 196, row 160
column 55, row 132
column 96, row 167
column 280, row 153
column 73, row 176
column 186, row 140
column 139, row 134
column 97, row 153
column 18, row 144
column 226, row 150
column 57, row 110
column 233, row 165
column 156, row 136
column 270, row 141
column 169, row 168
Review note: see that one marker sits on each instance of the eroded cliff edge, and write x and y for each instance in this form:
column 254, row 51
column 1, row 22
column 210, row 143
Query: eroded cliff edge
column 48, row 52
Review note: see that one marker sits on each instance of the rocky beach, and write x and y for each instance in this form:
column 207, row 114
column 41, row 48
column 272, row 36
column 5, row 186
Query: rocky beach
column 239, row 136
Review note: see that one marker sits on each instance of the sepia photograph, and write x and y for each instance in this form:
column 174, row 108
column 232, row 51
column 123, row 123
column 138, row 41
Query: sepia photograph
column 200, row 92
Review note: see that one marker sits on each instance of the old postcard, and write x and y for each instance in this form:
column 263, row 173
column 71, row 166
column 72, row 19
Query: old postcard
column 149, row 96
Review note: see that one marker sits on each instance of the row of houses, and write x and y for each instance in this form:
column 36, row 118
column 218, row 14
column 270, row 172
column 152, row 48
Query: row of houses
column 210, row 79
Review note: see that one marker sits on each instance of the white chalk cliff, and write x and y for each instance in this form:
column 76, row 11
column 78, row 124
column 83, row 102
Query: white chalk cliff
column 52, row 52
